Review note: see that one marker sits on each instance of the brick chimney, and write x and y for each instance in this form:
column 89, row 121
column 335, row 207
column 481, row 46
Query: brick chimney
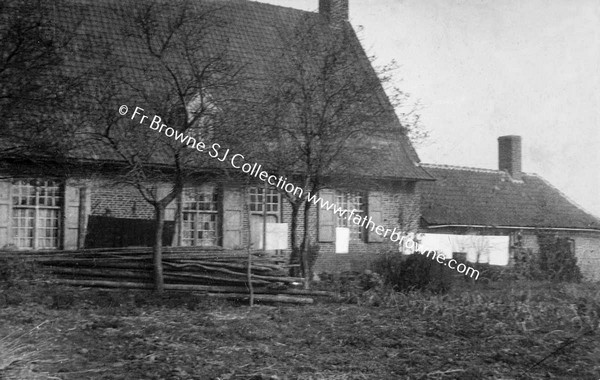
column 336, row 11
column 509, row 155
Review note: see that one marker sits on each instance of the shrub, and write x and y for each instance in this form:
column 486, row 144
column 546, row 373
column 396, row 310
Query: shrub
column 19, row 276
column 556, row 260
column 16, row 271
column 367, row 288
column 23, row 280
column 488, row 272
column 413, row 272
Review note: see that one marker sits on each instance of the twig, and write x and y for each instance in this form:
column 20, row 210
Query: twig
column 569, row 341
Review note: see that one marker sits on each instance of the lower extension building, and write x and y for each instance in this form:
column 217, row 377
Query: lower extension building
column 475, row 203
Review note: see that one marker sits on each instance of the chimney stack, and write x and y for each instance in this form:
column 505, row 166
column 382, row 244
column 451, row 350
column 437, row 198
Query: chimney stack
column 509, row 155
column 336, row 11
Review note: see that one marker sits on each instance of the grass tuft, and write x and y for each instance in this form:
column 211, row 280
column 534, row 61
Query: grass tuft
column 18, row 356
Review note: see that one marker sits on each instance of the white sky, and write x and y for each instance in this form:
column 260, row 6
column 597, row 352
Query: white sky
column 486, row 68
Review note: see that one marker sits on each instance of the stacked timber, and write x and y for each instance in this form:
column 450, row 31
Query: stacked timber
column 216, row 272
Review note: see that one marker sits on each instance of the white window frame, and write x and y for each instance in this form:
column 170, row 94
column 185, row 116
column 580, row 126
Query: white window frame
column 351, row 201
column 273, row 207
column 47, row 190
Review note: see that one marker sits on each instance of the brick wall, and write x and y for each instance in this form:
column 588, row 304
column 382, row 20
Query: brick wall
column 587, row 250
column 118, row 201
column 401, row 209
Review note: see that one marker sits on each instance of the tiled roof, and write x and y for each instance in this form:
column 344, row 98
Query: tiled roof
column 480, row 197
column 252, row 36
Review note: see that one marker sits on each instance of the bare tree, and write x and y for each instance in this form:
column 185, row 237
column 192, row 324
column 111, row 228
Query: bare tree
column 319, row 118
column 480, row 245
column 169, row 72
column 36, row 95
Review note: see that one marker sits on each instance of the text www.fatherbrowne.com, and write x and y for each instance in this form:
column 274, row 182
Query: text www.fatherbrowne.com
column 237, row 161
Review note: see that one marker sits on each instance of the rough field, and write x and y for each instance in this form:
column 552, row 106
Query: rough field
column 506, row 331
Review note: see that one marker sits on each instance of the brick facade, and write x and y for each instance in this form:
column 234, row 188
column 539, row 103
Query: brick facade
column 399, row 209
column 118, row 201
column 587, row 250
column 400, row 203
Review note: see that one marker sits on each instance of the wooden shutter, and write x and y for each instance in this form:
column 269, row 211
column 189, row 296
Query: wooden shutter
column 375, row 212
column 233, row 206
column 326, row 217
column 85, row 200
column 4, row 213
column 71, row 217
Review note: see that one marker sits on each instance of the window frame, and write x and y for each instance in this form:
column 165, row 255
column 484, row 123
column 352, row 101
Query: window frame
column 202, row 129
column 214, row 210
column 349, row 202
column 269, row 192
column 41, row 191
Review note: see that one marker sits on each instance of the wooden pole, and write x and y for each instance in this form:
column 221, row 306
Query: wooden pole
column 248, row 244
column 264, row 231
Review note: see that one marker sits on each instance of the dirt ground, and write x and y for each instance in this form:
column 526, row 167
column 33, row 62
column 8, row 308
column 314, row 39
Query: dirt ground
column 508, row 331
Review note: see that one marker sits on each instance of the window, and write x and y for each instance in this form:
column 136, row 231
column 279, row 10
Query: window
column 351, row 201
column 262, row 202
column 200, row 216
column 256, row 200
column 36, row 214
column 202, row 113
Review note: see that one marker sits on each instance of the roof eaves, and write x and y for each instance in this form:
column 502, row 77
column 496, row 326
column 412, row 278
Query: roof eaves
column 435, row 226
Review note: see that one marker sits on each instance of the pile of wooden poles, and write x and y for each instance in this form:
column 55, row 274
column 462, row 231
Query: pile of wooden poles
column 215, row 272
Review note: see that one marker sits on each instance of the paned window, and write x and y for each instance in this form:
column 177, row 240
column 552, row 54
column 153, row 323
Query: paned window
column 263, row 203
column 36, row 214
column 256, row 200
column 200, row 216
column 351, row 201
column 201, row 113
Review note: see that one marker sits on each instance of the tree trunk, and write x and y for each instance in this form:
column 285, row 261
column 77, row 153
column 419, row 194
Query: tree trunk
column 303, row 254
column 159, row 285
column 294, row 258
column 178, row 211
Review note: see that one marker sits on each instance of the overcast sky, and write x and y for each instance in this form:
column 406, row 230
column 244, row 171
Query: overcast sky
column 486, row 68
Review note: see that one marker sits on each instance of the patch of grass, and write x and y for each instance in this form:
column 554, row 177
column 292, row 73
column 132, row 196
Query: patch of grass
column 496, row 331
column 18, row 356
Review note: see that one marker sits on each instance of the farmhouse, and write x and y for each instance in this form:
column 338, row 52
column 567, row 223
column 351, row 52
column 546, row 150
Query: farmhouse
column 84, row 201
column 507, row 205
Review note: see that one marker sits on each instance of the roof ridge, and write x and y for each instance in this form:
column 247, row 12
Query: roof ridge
column 577, row 205
column 316, row 11
column 469, row 168
column 457, row 167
